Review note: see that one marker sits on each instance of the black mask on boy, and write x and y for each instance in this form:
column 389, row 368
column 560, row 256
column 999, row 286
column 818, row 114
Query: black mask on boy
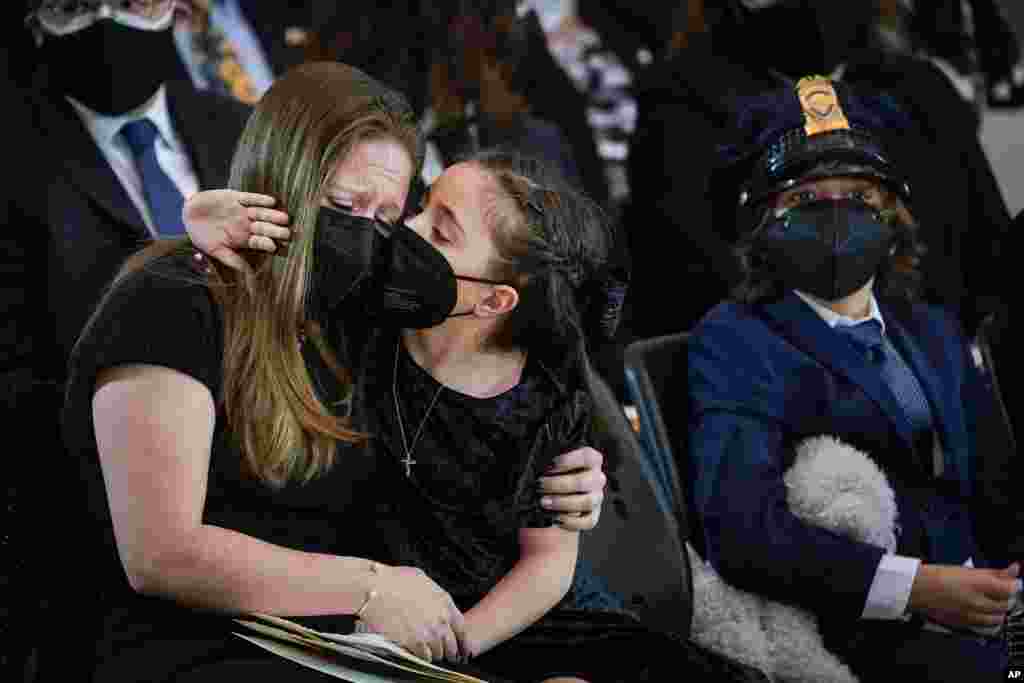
column 829, row 249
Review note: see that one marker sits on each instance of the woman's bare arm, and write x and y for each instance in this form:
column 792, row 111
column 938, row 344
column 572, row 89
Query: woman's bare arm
column 154, row 428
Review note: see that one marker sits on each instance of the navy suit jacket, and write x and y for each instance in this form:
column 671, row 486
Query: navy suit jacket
column 761, row 379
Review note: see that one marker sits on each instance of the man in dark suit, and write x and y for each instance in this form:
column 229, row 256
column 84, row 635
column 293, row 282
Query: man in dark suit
column 684, row 109
column 83, row 204
column 825, row 337
column 81, row 201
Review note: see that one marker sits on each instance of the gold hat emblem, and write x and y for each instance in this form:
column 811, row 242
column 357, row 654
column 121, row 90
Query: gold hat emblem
column 822, row 111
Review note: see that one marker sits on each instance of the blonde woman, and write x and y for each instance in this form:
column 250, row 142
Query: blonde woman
column 217, row 406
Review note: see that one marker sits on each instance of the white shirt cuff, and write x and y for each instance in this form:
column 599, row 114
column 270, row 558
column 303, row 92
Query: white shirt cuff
column 890, row 589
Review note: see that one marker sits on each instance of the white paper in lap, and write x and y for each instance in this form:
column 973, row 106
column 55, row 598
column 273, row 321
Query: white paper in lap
column 304, row 657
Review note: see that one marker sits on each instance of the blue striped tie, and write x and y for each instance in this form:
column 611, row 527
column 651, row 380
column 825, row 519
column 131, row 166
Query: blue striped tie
column 162, row 195
column 868, row 338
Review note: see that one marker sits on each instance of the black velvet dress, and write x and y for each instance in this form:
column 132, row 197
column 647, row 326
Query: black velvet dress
column 457, row 513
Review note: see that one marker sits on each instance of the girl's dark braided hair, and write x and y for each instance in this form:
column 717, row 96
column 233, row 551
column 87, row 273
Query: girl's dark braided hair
column 555, row 245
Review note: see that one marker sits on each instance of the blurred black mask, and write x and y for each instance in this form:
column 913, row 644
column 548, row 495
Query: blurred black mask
column 109, row 67
column 797, row 37
column 829, row 249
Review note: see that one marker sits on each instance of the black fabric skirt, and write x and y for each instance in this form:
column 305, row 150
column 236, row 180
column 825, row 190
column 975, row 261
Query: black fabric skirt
column 604, row 647
column 596, row 646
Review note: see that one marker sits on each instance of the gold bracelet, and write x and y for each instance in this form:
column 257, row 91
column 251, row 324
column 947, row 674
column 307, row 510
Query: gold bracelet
column 371, row 594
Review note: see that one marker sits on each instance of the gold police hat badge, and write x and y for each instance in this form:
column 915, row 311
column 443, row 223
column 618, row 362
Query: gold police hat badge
column 822, row 111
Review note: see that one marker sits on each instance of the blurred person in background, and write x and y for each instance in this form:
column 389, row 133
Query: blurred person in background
column 237, row 47
column 477, row 91
column 351, row 33
column 601, row 76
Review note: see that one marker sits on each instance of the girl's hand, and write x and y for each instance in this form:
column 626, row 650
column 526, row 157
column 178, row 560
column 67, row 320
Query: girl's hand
column 411, row 610
column 574, row 488
column 220, row 222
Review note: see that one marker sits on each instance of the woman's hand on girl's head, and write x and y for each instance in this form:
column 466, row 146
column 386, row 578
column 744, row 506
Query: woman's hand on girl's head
column 220, row 222
column 573, row 487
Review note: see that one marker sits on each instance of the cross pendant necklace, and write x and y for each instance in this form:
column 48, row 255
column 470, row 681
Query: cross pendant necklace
column 409, row 448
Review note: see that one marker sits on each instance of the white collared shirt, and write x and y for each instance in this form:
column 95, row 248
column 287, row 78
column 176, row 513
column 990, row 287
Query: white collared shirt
column 833, row 319
column 890, row 589
column 170, row 152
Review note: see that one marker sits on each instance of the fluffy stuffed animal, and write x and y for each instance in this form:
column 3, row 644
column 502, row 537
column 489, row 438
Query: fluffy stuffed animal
column 832, row 485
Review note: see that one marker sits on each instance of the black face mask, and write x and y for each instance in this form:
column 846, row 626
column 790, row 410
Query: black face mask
column 829, row 249
column 413, row 285
column 344, row 251
column 387, row 272
column 111, row 68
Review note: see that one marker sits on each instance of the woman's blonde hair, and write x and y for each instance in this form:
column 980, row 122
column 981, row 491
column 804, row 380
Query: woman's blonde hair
column 308, row 121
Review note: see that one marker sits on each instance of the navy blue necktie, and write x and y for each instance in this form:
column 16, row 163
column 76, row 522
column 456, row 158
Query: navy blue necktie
column 868, row 338
column 162, row 195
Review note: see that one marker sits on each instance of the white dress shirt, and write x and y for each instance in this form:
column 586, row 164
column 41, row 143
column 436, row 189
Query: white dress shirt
column 890, row 589
column 894, row 578
column 228, row 17
column 170, row 152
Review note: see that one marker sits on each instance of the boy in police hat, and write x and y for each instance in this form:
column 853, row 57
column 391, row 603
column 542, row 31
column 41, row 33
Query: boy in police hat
column 825, row 336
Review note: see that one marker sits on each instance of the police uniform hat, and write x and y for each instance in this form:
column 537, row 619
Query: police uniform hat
column 817, row 129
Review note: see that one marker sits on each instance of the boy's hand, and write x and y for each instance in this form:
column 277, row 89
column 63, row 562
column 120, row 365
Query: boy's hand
column 963, row 596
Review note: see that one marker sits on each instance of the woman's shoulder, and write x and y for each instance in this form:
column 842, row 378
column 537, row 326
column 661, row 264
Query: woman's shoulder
column 163, row 313
column 176, row 277
column 170, row 294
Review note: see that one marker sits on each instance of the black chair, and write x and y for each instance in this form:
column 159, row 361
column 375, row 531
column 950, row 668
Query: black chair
column 17, row 606
column 1014, row 635
column 656, row 380
column 986, row 340
column 636, row 548
column 1000, row 468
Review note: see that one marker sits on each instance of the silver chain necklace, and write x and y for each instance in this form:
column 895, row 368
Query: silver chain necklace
column 407, row 460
